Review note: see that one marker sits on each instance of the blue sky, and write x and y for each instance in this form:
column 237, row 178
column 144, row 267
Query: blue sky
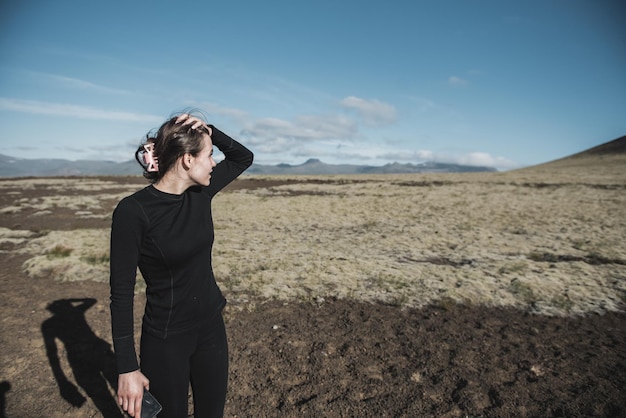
column 485, row 82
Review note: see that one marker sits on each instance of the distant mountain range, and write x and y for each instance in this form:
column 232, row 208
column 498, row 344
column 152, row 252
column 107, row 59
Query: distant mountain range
column 44, row 167
column 21, row 167
column 315, row 166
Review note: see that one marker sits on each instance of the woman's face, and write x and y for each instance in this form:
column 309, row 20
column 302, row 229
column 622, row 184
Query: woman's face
column 201, row 165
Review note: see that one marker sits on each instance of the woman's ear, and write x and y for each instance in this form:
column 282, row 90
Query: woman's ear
column 187, row 160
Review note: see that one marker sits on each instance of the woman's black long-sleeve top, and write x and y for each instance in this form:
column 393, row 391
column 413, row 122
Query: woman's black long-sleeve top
column 169, row 237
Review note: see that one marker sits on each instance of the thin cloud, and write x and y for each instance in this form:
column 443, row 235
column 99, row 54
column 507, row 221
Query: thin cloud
column 484, row 159
column 476, row 72
column 373, row 112
column 332, row 152
column 232, row 113
column 303, row 128
column 25, row 148
column 329, row 127
column 424, row 105
column 73, row 111
column 474, row 159
column 457, row 81
column 409, row 156
column 79, row 84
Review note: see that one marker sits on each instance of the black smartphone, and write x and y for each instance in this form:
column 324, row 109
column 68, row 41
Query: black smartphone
column 150, row 407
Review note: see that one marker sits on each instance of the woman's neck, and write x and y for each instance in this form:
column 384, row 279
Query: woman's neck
column 173, row 184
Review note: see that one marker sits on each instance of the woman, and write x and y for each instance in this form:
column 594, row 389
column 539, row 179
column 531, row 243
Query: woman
column 166, row 229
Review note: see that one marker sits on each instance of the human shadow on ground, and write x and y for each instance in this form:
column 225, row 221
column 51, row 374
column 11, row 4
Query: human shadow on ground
column 90, row 358
column 4, row 388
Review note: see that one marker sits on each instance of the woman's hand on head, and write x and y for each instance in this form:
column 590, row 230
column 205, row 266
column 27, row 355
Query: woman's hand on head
column 130, row 391
column 195, row 122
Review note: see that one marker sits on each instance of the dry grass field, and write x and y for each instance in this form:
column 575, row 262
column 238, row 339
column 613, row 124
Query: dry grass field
column 487, row 294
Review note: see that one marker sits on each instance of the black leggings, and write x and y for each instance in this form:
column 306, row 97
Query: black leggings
column 199, row 357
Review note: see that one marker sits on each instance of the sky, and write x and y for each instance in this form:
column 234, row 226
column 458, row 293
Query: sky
column 495, row 83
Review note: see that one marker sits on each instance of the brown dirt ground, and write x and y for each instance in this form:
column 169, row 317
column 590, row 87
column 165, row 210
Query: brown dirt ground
column 337, row 358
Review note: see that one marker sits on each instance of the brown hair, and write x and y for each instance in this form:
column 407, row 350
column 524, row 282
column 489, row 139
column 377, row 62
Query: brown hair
column 171, row 141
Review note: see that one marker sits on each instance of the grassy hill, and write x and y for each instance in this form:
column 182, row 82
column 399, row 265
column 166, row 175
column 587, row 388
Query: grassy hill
column 605, row 163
